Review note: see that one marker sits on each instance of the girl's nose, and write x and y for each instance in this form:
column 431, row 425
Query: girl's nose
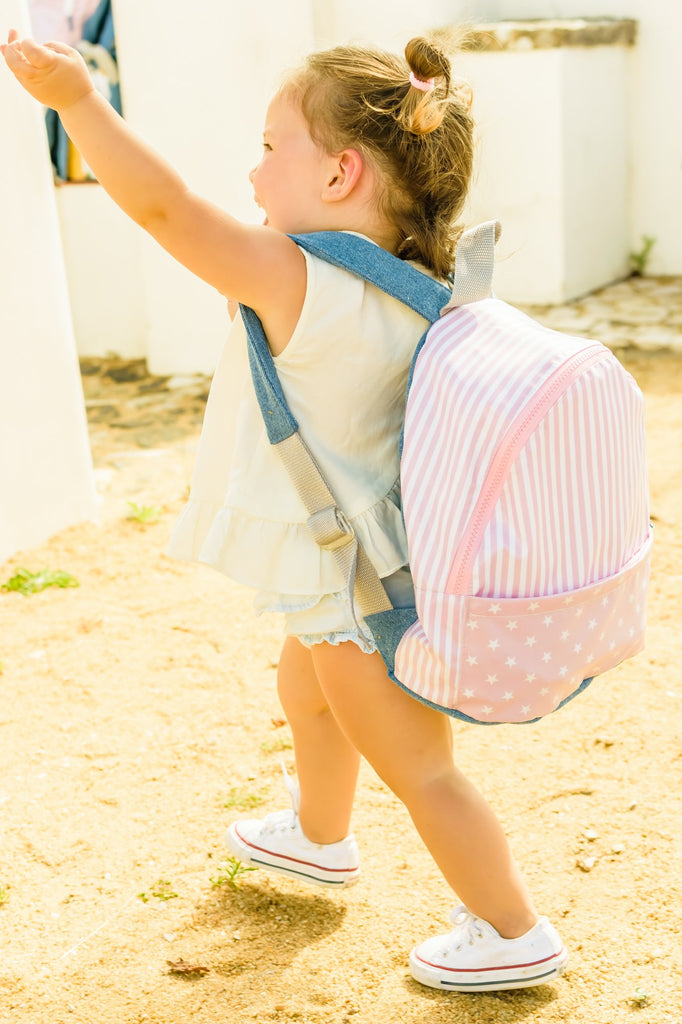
column 252, row 173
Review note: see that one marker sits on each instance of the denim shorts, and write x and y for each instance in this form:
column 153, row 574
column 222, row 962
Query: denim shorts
column 329, row 619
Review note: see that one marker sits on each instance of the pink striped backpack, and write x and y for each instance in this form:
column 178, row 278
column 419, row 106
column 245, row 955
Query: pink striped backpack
column 525, row 496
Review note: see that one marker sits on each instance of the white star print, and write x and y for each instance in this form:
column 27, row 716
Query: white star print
column 548, row 620
column 508, row 696
column 486, row 710
column 569, row 599
column 469, row 693
column 563, row 670
column 510, row 662
column 612, row 645
column 530, row 678
column 578, row 612
column 525, row 710
column 491, row 679
column 471, row 624
column 591, row 624
column 533, row 607
column 578, row 648
column 565, row 635
column 494, row 644
column 494, row 609
column 544, row 691
column 604, row 602
column 546, row 657
column 530, row 641
column 472, row 660
column 512, row 625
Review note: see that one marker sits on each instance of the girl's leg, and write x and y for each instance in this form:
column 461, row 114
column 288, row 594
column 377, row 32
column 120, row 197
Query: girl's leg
column 410, row 746
column 326, row 762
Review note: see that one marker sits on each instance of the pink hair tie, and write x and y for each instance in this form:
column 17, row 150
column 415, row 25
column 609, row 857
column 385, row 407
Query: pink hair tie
column 424, row 85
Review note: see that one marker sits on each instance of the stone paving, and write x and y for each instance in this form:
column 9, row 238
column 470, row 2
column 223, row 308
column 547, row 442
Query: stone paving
column 642, row 312
column 127, row 407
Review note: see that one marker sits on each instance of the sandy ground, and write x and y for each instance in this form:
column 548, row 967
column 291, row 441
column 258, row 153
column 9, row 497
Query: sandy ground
column 139, row 717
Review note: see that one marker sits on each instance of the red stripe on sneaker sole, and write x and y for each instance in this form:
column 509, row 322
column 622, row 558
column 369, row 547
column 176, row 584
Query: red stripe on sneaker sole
column 484, row 970
column 293, row 860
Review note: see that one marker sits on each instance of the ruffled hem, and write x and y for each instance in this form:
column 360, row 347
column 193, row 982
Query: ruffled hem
column 365, row 645
column 297, row 622
column 283, row 558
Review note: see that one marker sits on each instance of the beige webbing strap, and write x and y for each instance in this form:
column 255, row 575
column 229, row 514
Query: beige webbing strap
column 330, row 527
column 474, row 263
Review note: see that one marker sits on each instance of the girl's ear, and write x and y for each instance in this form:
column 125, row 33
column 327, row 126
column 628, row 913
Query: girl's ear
column 346, row 172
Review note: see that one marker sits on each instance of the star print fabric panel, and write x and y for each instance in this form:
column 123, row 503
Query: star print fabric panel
column 517, row 659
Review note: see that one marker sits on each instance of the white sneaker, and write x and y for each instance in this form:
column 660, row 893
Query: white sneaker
column 475, row 958
column 277, row 843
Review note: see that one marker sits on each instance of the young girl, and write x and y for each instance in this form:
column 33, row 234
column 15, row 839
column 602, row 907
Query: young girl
column 357, row 141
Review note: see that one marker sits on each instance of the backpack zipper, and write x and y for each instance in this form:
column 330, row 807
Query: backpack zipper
column 517, row 435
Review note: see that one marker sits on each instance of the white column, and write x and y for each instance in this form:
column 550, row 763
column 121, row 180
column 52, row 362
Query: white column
column 196, row 81
column 46, row 481
column 545, row 169
column 654, row 84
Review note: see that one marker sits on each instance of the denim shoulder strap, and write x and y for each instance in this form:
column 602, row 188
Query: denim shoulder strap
column 374, row 264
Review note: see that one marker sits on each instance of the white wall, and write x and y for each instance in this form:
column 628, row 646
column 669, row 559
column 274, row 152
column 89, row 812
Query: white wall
column 390, row 25
column 655, row 123
column 46, row 478
column 546, row 171
column 196, row 83
column 104, row 273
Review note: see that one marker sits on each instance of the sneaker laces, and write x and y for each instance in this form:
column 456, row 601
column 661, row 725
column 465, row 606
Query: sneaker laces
column 293, row 787
column 467, row 930
column 284, row 821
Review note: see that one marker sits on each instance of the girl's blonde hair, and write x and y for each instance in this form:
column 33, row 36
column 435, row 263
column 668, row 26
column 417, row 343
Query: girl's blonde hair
column 420, row 141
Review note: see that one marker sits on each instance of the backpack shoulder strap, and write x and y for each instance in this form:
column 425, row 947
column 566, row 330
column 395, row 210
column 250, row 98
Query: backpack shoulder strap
column 473, row 277
column 377, row 266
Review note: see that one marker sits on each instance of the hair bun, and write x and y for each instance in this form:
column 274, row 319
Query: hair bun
column 426, row 61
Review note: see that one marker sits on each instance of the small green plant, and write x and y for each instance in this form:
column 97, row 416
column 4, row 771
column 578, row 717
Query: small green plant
column 275, row 746
column 161, row 890
column 26, row 582
column 242, row 799
column 640, row 998
column 145, row 514
column 639, row 260
column 4, row 895
column 229, row 872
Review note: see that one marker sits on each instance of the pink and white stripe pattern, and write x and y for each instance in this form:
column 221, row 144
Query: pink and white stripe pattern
column 524, row 477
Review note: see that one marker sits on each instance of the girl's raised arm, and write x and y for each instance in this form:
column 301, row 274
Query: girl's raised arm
column 258, row 266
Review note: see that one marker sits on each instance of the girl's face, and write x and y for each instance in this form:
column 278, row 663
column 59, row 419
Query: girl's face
column 289, row 180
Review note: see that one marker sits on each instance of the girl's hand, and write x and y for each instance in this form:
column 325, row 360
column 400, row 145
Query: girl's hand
column 54, row 74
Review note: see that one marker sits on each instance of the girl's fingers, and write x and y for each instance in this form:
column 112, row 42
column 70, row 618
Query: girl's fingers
column 37, row 55
column 57, row 47
column 12, row 36
column 14, row 57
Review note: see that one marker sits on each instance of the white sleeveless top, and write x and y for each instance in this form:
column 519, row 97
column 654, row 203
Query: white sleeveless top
column 344, row 374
